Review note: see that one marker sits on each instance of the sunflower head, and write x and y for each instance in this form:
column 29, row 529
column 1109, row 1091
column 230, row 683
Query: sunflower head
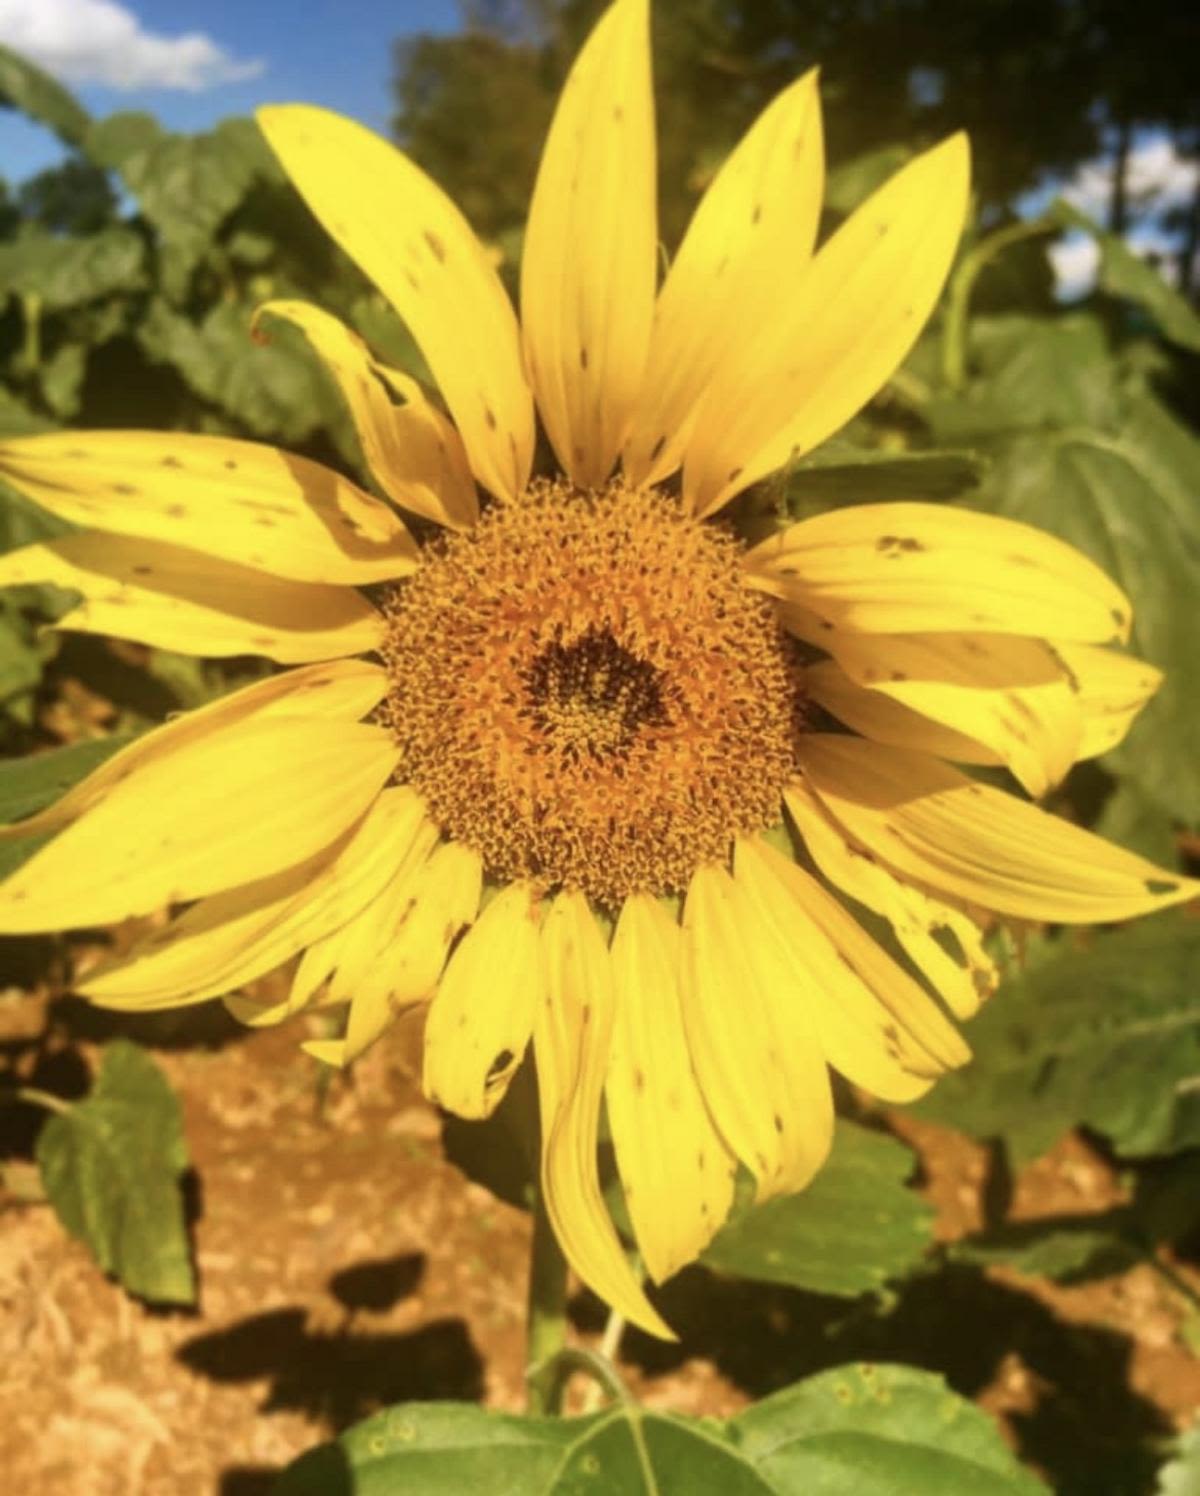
column 585, row 695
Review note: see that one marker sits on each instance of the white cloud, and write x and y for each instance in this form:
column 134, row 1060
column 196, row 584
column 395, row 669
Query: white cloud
column 99, row 41
column 1156, row 177
column 1076, row 260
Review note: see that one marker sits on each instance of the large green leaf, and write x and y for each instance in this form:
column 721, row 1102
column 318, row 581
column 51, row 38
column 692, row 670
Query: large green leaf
column 27, row 784
column 273, row 390
column 67, row 272
column 111, row 1166
column 185, row 185
column 1131, row 501
column 1127, row 275
column 853, row 1229
column 862, row 475
column 25, row 87
column 1108, row 1037
column 856, row 1431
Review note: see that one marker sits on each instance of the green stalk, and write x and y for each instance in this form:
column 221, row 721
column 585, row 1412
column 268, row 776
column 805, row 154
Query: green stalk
column 962, row 283
column 546, row 1315
column 31, row 1096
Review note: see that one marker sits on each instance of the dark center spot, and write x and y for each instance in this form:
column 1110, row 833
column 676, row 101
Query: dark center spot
column 592, row 695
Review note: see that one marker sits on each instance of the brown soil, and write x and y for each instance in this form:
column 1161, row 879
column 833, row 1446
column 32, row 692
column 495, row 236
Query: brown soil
column 345, row 1264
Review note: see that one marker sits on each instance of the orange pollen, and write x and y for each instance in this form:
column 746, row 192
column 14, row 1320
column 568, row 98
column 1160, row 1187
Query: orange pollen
column 586, row 692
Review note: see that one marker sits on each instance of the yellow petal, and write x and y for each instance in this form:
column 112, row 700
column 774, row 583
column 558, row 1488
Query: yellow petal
column 406, row 235
column 430, row 906
column 752, row 233
column 1113, row 688
column 338, row 691
column 233, row 937
column 362, row 972
column 920, row 920
column 752, row 1039
column 589, row 262
column 836, row 334
column 246, row 803
column 935, row 825
column 481, row 1017
column 572, row 1034
column 873, row 1023
column 242, row 502
column 677, row 1173
column 193, row 603
column 929, row 568
column 886, row 721
column 414, row 453
column 1011, row 694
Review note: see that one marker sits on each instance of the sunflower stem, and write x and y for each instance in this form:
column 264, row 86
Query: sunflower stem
column 962, row 283
column 546, row 1316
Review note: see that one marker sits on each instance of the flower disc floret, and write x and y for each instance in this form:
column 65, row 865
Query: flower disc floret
column 586, row 691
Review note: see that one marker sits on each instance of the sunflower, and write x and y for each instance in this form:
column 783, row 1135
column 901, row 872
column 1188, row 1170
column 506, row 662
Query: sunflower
column 581, row 768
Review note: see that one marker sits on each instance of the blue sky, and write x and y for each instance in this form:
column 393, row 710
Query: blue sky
column 332, row 52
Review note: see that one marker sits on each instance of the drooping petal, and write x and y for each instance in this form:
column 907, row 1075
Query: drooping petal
column 886, row 721
column 753, row 1043
column 482, row 1014
column 254, row 799
column 837, row 333
column 874, row 1024
column 933, row 824
column 589, row 264
column 752, row 233
column 920, row 920
column 337, row 691
column 193, row 603
column 572, row 1034
column 676, row 1171
column 1011, row 694
column 1113, row 688
column 441, row 901
column 406, row 235
column 413, row 451
column 242, row 502
column 361, row 976
column 929, row 568
column 229, row 939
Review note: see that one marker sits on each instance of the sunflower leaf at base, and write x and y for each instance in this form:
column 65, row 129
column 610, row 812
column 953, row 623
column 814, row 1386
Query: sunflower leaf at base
column 111, row 1166
column 1107, row 1037
column 857, row 1430
column 855, row 1228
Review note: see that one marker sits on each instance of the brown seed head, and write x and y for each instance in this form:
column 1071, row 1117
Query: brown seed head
column 586, row 693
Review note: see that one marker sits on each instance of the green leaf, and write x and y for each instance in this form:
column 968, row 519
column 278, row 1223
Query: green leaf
column 28, row 784
column 1107, row 1037
column 851, row 183
column 274, row 389
column 1032, row 373
column 856, row 1431
column 1127, row 275
column 854, row 1228
column 1131, row 819
column 37, row 95
column 878, row 1431
column 862, row 475
column 112, row 1165
column 1180, row 1476
column 1067, row 1249
column 185, row 185
column 1131, row 502
column 69, row 272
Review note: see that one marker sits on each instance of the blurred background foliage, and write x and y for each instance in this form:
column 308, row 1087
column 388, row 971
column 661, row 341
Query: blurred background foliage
column 129, row 275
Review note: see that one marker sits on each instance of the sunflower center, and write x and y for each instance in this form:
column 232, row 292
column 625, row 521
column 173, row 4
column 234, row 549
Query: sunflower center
column 585, row 691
